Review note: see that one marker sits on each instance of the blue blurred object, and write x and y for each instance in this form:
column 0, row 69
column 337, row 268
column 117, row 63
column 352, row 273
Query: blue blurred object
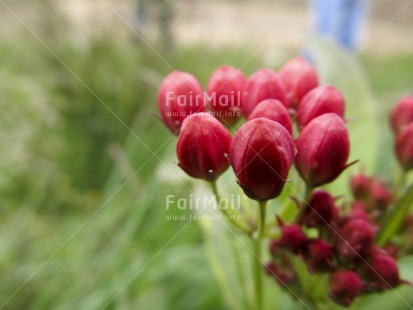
column 340, row 20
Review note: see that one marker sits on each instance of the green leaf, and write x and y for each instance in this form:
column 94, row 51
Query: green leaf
column 394, row 218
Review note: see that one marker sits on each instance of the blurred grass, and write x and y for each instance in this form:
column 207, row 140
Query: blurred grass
column 68, row 163
column 83, row 213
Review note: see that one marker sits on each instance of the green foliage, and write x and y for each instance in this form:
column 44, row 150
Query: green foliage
column 83, row 220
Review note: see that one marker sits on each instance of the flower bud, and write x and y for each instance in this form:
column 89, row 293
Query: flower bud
column 381, row 272
column 225, row 88
column 319, row 101
column 359, row 211
column 404, row 147
column 381, row 196
column 292, row 237
column 262, row 84
column 319, row 210
column 284, row 276
column 354, row 240
column 318, row 256
column 344, row 287
column 323, row 149
column 179, row 95
column 261, row 155
column 360, row 186
column 202, row 146
column 299, row 77
column 274, row 110
column 402, row 114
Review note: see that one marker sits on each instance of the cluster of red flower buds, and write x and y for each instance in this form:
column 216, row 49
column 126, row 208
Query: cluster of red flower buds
column 262, row 152
column 345, row 243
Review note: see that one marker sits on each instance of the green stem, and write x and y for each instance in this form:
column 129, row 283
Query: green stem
column 258, row 270
column 402, row 182
column 307, row 193
column 230, row 217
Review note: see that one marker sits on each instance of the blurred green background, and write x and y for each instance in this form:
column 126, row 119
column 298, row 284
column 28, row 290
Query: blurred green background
column 84, row 159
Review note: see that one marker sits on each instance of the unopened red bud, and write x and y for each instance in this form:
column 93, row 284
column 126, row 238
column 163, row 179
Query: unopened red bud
column 202, row 146
column 344, row 287
column 319, row 210
column 299, row 77
column 319, row 101
column 359, row 211
column 381, row 196
column 284, row 276
column 354, row 240
column 179, row 95
column 261, row 155
column 292, row 238
column 318, row 256
column 381, row 273
column 274, row 110
column 404, row 147
column 402, row 114
column 360, row 186
column 323, row 149
column 262, row 84
column 225, row 88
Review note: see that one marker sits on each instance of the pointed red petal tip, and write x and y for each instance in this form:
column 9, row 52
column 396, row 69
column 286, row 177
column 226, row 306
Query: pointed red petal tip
column 299, row 77
column 202, row 145
column 179, row 95
column 261, row 155
column 225, row 92
column 323, row 149
column 280, row 222
column 262, row 84
column 296, row 201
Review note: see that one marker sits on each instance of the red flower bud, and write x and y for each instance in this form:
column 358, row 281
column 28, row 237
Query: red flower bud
column 273, row 110
column 360, row 186
column 381, row 196
column 354, row 240
column 262, row 84
column 318, row 256
column 402, row 114
column 319, row 101
column 299, row 77
column 284, row 276
column 319, row 210
column 292, row 238
column 323, row 149
column 404, row 147
column 345, row 286
column 179, row 95
column 359, row 211
column 381, row 273
column 261, row 155
column 202, row 145
column 224, row 93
